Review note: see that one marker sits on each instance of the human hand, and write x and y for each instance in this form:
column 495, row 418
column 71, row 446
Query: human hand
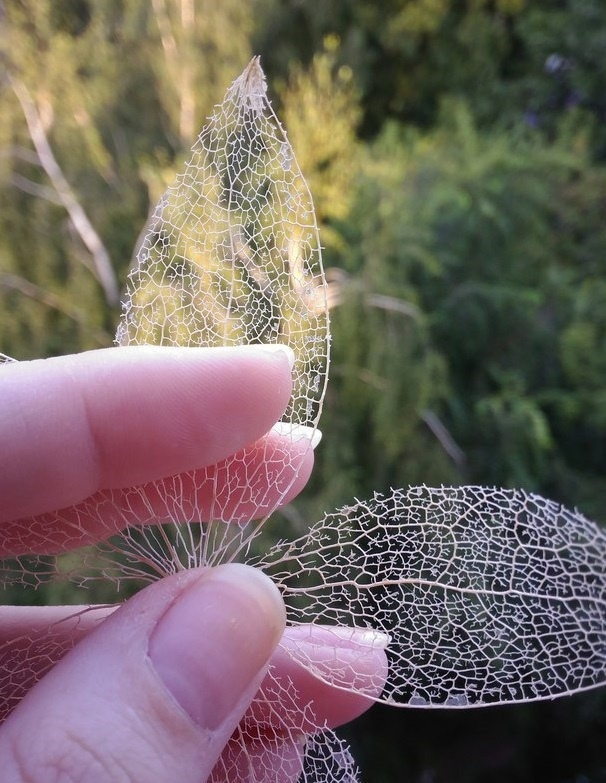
column 155, row 691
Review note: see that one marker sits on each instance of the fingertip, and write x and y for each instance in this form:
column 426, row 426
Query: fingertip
column 160, row 686
column 124, row 416
column 337, row 672
column 212, row 645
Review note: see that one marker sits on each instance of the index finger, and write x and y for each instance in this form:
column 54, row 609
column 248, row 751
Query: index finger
column 116, row 417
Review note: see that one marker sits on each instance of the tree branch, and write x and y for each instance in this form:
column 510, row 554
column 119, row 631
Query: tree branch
column 383, row 302
column 102, row 265
column 166, row 34
column 178, row 58
column 35, row 188
column 448, row 443
column 47, row 298
column 188, row 103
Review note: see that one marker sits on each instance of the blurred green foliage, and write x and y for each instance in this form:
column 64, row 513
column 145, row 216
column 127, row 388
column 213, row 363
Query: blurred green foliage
column 456, row 152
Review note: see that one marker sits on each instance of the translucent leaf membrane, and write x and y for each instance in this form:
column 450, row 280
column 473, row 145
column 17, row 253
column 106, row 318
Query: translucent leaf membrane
column 277, row 740
column 489, row 596
column 232, row 255
column 25, row 657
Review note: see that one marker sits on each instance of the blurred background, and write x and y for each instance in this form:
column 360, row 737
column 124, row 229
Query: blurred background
column 456, row 153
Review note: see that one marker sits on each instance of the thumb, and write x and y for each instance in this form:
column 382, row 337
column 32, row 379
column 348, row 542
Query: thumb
column 154, row 693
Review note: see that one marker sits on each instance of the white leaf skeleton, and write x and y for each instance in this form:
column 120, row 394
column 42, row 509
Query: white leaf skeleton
column 484, row 596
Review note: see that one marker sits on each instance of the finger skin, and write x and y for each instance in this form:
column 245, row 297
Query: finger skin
column 110, row 460
column 74, row 425
column 109, row 709
column 338, row 678
column 271, row 760
column 33, row 640
column 250, row 485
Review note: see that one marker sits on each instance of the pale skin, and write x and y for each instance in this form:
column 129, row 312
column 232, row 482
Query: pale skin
column 153, row 691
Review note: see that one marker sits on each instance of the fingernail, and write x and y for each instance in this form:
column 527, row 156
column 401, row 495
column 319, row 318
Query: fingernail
column 211, row 646
column 277, row 350
column 298, row 432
